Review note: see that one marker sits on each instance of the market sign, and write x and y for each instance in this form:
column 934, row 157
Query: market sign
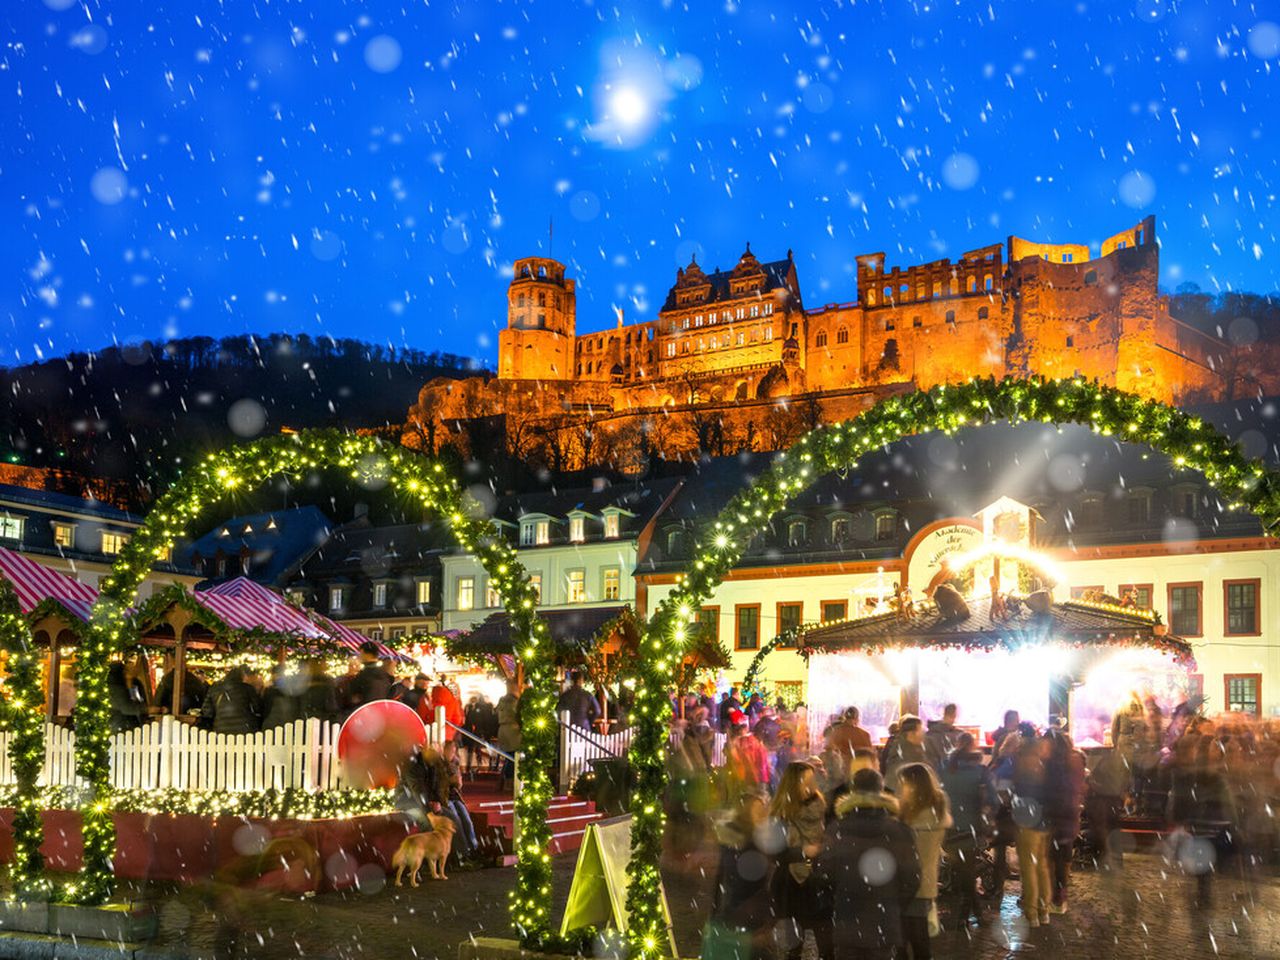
column 938, row 541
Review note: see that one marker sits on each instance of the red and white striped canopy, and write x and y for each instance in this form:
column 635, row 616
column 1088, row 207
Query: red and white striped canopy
column 245, row 605
column 34, row 583
column 344, row 634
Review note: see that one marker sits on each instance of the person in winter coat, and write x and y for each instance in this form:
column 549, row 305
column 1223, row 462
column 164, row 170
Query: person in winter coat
column 746, row 758
column 233, row 705
column 923, row 807
column 727, row 706
column 442, row 696
column 869, row 861
column 320, row 697
column 583, row 708
column 280, row 704
column 940, row 739
column 1064, row 782
column 372, row 682
column 906, row 747
column 509, row 727
column 420, row 691
column 741, row 908
column 802, row 811
column 128, row 699
column 968, row 789
column 1028, row 809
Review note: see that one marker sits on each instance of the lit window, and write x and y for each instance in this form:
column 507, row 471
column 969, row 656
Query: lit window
column 375, row 634
column 768, row 333
column 424, row 591
column 611, row 526
column 542, row 533
column 535, row 581
column 11, row 527
column 222, row 566
column 886, row 526
column 466, row 593
column 379, row 594
column 671, row 349
column 492, row 598
column 336, row 597
column 768, row 309
column 797, row 533
column 1242, row 693
column 840, row 530
column 112, row 543
column 64, row 535
column 577, row 586
column 612, row 583
column 755, row 310
column 577, row 529
column 397, row 633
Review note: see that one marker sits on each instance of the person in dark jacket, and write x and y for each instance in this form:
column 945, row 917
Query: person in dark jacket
column 582, row 707
column 968, row 788
column 742, row 907
column 906, row 747
column 372, row 682
column 194, row 689
column 281, row 704
column 320, row 697
column 869, row 861
column 1064, row 776
column 128, row 699
column 941, row 737
column 233, row 705
column 727, row 706
column 421, row 688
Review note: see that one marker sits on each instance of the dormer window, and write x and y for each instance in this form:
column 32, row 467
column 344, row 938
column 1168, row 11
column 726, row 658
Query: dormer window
column 535, row 533
column 612, row 526
column 675, row 542
column 577, row 529
column 379, row 594
column 248, row 528
column 797, row 533
column 886, row 526
column 337, row 598
column 271, row 524
column 839, row 529
column 1139, row 506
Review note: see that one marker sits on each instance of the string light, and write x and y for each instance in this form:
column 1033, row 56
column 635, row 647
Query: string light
column 829, row 448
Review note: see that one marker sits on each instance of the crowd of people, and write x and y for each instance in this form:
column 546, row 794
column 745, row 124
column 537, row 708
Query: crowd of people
column 848, row 844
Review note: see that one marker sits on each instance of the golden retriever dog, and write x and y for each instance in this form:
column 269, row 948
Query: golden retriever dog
column 432, row 846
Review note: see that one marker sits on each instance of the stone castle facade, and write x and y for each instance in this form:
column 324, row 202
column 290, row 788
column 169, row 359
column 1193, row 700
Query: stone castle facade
column 735, row 360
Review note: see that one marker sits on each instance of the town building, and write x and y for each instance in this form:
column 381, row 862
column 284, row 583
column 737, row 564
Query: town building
column 735, row 360
column 260, row 546
column 1105, row 520
column 78, row 537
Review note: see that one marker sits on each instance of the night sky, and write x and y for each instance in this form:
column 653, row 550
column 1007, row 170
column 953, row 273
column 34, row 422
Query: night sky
column 371, row 169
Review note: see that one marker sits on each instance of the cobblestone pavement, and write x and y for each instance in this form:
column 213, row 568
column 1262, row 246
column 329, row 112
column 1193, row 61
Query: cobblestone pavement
column 1145, row 912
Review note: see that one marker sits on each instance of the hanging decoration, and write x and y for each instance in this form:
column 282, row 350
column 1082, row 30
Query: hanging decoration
column 1187, row 440
column 24, row 716
column 365, row 460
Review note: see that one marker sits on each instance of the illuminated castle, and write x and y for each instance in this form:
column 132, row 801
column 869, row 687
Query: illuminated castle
column 735, row 361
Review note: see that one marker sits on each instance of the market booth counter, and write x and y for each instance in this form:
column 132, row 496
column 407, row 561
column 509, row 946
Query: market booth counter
column 1074, row 659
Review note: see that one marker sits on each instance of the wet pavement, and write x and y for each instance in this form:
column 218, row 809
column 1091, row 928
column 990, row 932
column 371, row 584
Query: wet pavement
column 1143, row 912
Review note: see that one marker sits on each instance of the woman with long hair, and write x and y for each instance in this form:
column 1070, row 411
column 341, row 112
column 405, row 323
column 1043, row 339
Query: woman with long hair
column 798, row 896
column 922, row 806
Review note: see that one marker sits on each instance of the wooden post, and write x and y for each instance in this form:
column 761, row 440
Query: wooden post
column 53, row 677
column 179, row 673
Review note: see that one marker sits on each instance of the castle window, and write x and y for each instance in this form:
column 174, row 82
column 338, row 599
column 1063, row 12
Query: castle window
column 983, row 313
column 987, row 283
column 726, row 316
column 520, row 300
column 697, row 321
column 741, row 312
column 542, row 299
column 916, row 322
column 684, row 347
column 755, row 310
column 671, row 349
column 871, row 298
column 768, row 333
column 542, row 271
column 840, row 530
column 842, row 335
column 702, row 344
column 1071, row 341
column 973, row 284
column 684, row 324
column 542, row 319
column 768, row 309
column 888, row 323
column 1067, row 258
column 1141, row 238
column 888, row 293
column 951, row 316
column 1122, row 244
column 1091, row 278
column 937, row 289
column 742, row 338
column 821, row 339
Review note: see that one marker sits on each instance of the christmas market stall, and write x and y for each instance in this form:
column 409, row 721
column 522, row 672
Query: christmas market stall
column 1073, row 661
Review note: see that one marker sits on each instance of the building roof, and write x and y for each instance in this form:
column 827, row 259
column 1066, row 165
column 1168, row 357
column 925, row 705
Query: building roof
column 573, row 631
column 365, row 550
column 63, row 502
column 275, row 540
column 1073, row 622
column 639, row 501
column 777, row 275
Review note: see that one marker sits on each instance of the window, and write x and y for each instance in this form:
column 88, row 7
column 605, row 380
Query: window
column 64, row 535
column 797, row 533
column 1066, row 258
column 337, row 598
column 708, row 622
column 1091, row 278
column 221, row 566
column 612, row 526
column 768, row 334
column 671, row 348
column 889, row 324
column 886, row 526
column 1071, row 341
column 983, row 313
column 375, row 633
column 397, row 633
column 916, row 322
column 577, row 529
column 821, row 339
column 1184, row 609
column 113, row 543
column 424, row 591
column 245, row 563
column 973, row 284
column 535, row 581
column 1244, row 693
column 1122, row 244
column 1141, row 593
column 839, row 529
column 492, row 599
column 1184, row 503
column 542, row 532
column 526, row 534
column 11, row 527
column 675, row 543
column 466, row 593
column 789, row 618
column 842, row 335
column 577, row 586
column 379, row 594
column 1090, row 514
column 746, row 634
column 951, row 316
column 768, row 309
column 834, row 610
column 1240, row 597
column 612, row 583
column 987, row 283
column 1138, row 511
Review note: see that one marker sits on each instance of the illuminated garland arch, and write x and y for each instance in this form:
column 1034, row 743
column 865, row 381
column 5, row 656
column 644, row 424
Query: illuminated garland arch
column 1243, row 484
column 757, row 662
column 24, row 713
column 226, row 473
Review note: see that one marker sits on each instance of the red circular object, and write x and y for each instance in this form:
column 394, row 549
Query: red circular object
column 376, row 740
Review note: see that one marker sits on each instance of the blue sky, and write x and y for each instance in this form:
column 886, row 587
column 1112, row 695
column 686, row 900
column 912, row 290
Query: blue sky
column 372, row 169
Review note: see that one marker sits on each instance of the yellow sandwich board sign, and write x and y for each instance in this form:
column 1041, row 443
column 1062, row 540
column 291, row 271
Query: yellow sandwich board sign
column 598, row 895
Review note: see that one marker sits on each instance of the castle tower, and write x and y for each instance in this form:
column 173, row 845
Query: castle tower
column 541, row 319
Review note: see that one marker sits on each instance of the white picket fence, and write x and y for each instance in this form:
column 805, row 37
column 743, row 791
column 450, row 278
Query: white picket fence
column 166, row 753
column 579, row 747
column 718, row 741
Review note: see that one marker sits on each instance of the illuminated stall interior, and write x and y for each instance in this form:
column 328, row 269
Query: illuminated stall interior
column 1079, row 660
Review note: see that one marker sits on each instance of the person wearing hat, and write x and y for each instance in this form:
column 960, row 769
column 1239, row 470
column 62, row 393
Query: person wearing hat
column 745, row 756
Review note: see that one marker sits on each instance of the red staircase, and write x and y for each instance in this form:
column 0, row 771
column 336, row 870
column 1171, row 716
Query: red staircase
column 493, row 815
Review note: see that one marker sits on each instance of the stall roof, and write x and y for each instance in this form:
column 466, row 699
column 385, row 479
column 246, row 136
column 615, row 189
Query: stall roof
column 35, row 584
column 244, row 605
column 1073, row 622
column 572, row 630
